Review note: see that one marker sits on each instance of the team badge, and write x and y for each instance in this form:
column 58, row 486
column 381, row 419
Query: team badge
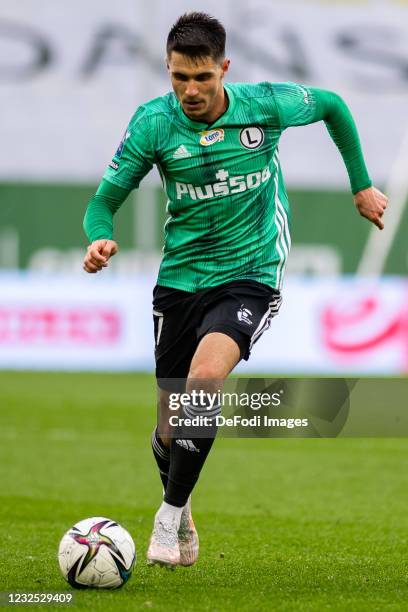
column 251, row 137
column 244, row 315
column 211, row 137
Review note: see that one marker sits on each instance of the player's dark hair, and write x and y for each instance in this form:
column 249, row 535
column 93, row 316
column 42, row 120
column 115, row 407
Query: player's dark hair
column 197, row 35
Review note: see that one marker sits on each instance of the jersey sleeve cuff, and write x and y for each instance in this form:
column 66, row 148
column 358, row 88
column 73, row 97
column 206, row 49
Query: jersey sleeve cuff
column 359, row 188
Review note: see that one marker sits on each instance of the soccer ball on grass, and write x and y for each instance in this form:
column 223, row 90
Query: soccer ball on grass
column 97, row 552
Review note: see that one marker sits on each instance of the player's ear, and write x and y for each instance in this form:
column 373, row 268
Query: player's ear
column 225, row 65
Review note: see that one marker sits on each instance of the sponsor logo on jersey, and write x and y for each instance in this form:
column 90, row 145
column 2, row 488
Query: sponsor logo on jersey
column 211, row 137
column 251, row 137
column 226, row 185
column 243, row 315
column 181, row 153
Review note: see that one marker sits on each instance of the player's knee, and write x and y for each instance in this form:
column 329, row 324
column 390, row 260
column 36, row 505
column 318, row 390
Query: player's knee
column 205, row 371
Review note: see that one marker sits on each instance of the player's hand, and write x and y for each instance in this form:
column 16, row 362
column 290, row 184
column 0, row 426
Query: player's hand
column 97, row 255
column 371, row 204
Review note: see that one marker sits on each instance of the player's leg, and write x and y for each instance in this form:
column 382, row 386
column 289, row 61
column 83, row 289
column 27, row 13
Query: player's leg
column 216, row 355
column 237, row 313
column 175, row 322
column 188, row 541
column 175, row 342
column 234, row 317
column 161, row 436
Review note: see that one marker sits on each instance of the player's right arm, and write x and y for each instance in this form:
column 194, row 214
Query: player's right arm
column 133, row 159
column 98, row 225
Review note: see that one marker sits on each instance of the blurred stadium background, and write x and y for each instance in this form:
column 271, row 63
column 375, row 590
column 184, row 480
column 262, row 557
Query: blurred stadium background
column 69, row 82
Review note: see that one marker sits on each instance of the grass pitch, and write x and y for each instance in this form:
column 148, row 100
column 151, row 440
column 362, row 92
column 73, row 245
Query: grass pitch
column 284, row 524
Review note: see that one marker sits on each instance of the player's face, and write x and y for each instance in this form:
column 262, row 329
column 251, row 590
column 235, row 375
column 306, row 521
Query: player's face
column 198, row 85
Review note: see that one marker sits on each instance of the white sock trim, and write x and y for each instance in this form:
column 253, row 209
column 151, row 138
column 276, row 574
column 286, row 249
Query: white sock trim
column 169, row 513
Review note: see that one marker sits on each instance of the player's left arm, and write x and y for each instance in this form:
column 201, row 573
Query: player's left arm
column 299, row 105
column 371, row 204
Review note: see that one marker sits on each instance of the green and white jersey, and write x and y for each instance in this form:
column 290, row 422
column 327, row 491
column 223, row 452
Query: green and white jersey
column 227, row 204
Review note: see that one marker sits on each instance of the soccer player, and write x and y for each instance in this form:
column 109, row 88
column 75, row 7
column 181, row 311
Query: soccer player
column 227, row 237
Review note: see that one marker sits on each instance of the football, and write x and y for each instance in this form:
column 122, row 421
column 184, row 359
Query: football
column 97, row 552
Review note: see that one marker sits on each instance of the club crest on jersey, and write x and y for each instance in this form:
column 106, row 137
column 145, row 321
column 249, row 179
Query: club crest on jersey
column 251, row 137
column 210, row 137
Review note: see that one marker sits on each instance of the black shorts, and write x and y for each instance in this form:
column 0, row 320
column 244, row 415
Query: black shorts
column 240, row 309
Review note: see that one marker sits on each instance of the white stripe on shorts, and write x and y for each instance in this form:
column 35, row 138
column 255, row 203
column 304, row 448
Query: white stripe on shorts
column 265, row 322
column 160, row 316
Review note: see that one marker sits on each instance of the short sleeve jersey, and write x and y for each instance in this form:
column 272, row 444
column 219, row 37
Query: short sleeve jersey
column 228, row 214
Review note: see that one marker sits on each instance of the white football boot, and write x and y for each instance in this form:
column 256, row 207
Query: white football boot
column 164, row 545
column 187, row 537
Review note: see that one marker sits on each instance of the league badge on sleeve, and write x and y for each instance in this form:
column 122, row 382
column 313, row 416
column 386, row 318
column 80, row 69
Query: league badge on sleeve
column 115, row 164
column 122, row 144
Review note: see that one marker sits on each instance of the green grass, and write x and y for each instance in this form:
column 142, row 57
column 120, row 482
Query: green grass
column 284, row 524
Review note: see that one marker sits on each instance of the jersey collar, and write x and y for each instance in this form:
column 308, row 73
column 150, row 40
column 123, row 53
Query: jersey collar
column 222, row 120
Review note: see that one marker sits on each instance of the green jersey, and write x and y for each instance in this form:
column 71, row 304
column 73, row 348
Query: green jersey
column 228, row 210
